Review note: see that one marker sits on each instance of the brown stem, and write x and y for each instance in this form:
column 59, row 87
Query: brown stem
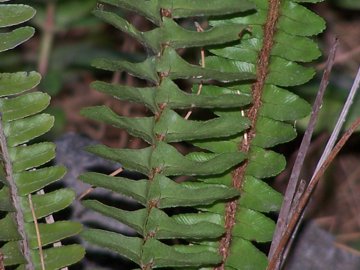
column 37, row 230
column 252, row 114
column 19, row 215
column 293, row 184
column 308, row 192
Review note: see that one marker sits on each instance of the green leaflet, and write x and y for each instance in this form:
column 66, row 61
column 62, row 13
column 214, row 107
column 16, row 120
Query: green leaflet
column 265, row 163
column 299, row 20
column 167, row 160
column 182, row 8
column 277, row 103
column 51, row 233
column 31, row 181
column 140, row 127
column 28, row 157
column 144, row 70
column 154, row 252
column 173, row 66
column 227, row 82
column 157, row 221
column 24, row 130
column 12, row 39
column 130, row 188
column 15, row 14
column 251, row 257
column 270, row 133
column 21, row 122
column 253, row 226
column 173, row 34
column 59, row 257
column 168, row 92
column 179, row 255
column 129, row 247
column 5, row 202
column 259, row 196
column 47, row 204
column 280, row 104
column 12, row 253
column 164, row 190
column 302, row 49
column 9, row 231
column 172, row 127
column 24, row 105
column 16, row 83
column 282, row 72
column 256, row 194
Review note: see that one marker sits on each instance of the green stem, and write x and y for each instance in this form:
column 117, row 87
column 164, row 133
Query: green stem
column 47, row 38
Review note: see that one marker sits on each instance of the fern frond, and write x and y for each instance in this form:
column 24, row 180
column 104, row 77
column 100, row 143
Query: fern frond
column 256, row 49
column 277, row 41
column 161, row 161
column 21, row 201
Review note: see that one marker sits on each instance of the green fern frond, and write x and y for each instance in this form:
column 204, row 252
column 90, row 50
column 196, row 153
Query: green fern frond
column 21, row 197
column 255, row 49
column 277, row 41
column 161, row 161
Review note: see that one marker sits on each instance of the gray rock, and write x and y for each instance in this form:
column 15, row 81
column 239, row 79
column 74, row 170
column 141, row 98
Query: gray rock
column 316, row 250
column 71, row 153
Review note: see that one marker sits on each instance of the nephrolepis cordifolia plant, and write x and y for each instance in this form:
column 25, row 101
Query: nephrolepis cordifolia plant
column 254, row 51
column 216, row 218
column 29, row 237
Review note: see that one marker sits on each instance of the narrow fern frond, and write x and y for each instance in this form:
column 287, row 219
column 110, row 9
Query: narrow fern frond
column 161, row 161
column 22, row 205
column 277, row 41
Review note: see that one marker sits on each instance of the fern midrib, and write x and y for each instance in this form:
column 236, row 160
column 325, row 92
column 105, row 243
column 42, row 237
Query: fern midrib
column 19, row 215
column 257, row 90
column 154, row 172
